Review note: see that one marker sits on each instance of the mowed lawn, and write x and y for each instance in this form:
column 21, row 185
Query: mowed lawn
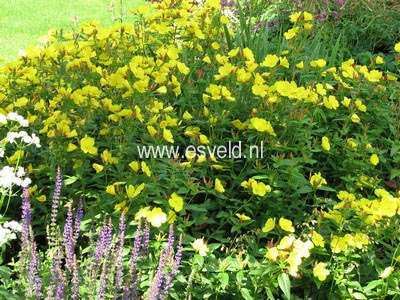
column 23, row 22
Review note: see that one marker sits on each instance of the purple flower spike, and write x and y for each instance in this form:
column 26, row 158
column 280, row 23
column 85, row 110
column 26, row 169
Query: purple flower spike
column 119, row 273
column 55, row 207
column 69, row 240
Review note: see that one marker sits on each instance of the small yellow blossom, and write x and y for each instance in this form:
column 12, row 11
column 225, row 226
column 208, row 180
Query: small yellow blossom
column 355, row 118
column 374, row 159
column 145, row 168
column 397, row 47
column 317, row 239
column 286, row 224
column 134, row 191
column 110, row 189
column 97, row 167
column 317, row 180
column 87, row 145
column 218, row 186
column 134, row 165
column 320, row 271
column 325, row 143
column 272, row 254
column 176, row 202
column 156, row 217
column 243, row 217
column 269, row 225
column 379, row 60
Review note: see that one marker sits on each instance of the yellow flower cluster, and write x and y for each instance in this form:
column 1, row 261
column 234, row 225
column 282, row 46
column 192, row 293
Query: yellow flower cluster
column 292, row 251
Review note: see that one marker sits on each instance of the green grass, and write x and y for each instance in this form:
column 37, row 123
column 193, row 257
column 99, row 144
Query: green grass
column 23, row 22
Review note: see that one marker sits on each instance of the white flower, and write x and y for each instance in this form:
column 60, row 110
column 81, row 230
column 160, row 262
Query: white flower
column 386, row 273
column 11, row 136
column 24, row 123
column 5, row 235
column 26, row 182
column 12, row 116
column 9, row 177
column 20, row 172
column 13, row 225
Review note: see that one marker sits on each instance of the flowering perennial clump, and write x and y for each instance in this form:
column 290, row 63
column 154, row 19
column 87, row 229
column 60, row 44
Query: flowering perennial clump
column 104, row 270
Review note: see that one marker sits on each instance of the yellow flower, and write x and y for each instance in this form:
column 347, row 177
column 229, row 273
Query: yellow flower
column 20, row 102
column 317, row 239
column 142, row 213
column 355, row 118
column 203, row 139
column 156, row 217
column 331, row 102
column 308, row 16
column 98, row 167
column 143, row 9
column 41, row 198
column 360, row 106
column 107, row 158
column 338, row 244
column 294, row 18
column 317, row 180
column 379, row 60
column 218, row 186
column 374, row 76
column 286, row 224
column 262, row 125
column 325, row 143
column 167, row 136
column 374, row 159
column 272, row 254
column 87, row 145
column 269, row 225
column 291, row 33
column 320, row 271
column 243, row 217
column 200, row 247
column 145, row 168
column 259, row 188
column 319, row 63
column 346, row 101
column 187, row 116
column 121, row 206
column 300, row 65
column 110, row 189
column 134, row 165
column 397, row 47
column 270, row 61
column 133, row 191
column 151, row 130
column 176, row 202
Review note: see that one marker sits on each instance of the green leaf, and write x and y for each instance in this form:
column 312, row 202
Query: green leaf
column 246, row 294
column 198, row 259
column 359, row 296
column 223, row 279
column 284, row 284
column 70, row 180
